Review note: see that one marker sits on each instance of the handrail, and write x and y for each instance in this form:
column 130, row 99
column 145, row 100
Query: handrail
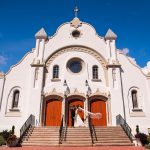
column 120, row 121
column 29, row 122
column 92, row 131
column 61, row 131
column 65, row 132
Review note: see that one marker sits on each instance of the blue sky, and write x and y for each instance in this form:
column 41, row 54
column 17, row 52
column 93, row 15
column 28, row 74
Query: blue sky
column 21, row 19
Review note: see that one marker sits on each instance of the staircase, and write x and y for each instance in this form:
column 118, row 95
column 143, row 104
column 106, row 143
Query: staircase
column 49, row 136
column 111, row 136
column 79, row 136
column 41, row 136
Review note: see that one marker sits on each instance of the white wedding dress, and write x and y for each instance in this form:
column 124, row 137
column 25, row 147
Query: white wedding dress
column 78, row 121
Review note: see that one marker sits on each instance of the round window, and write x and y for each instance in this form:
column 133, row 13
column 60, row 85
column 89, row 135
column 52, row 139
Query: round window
column 75, row 65
column 76, row 33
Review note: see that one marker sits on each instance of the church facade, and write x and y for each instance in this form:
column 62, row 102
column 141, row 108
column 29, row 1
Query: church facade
column 75, row 67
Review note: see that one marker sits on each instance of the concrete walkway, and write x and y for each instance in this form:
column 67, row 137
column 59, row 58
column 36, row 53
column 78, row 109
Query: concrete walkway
column 75, row 148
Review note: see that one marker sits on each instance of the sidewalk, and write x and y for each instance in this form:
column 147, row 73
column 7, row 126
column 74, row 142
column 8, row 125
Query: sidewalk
column 75, row 148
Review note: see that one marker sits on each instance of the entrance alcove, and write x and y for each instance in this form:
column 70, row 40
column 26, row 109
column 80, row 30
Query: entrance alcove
column 98, row 104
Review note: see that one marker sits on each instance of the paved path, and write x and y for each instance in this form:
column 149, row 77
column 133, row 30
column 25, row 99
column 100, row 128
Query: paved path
column 75, row 148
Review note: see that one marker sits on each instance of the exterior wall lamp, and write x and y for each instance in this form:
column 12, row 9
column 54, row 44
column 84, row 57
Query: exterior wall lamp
column 67, row 91
column 89, row 91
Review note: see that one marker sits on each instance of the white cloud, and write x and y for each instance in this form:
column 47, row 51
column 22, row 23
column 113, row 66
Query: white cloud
column 3, row 60
column 148, row 64
column 125, row 51
column 146, row 69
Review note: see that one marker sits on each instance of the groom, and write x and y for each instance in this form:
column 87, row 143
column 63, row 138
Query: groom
column 72, row 116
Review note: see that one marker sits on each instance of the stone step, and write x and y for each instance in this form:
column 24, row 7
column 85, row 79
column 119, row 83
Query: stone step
column 77, row 142
column 113, row 144
column 114, row 141
column 78, row 139
column 108, row 135
column 75, row 145
column 43, row 136
column 107, row 138
column 42, row 139
column 52, row 134
column 49, row 130
column 40, row 144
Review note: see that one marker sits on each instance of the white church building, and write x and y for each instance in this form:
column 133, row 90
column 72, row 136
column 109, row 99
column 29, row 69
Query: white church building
column 75, row 66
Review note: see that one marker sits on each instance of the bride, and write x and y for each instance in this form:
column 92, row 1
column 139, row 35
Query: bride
column 77, row 119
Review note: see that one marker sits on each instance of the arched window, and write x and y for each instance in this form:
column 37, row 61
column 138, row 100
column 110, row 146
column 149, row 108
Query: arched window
column 55, row 72
column 15, row 99
column 134, row 99
column 95, row 72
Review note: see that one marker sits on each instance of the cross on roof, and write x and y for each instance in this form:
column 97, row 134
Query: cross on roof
column 76, row 10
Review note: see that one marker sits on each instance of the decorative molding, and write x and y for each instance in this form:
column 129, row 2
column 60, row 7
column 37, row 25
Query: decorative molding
column 13, row 114
column 2, row 75
column 96, row 80
column 137, row 114
column 76, row 92
column 53, row 92
column 37, row 63
column 76, row 23
column 89, row 51
column 99, row 93
column 56, row 80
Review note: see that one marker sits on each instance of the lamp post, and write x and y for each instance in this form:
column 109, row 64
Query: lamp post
column 65, row 103
column 88, row 93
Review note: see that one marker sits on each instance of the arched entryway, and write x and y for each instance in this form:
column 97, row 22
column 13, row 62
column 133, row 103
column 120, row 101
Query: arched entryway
column 52, row 110
column 70, row 102
column 98, row 106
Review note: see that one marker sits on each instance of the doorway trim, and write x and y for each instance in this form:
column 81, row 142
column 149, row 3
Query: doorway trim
column 44, row 105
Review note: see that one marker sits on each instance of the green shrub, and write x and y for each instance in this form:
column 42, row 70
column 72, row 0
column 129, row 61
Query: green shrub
column 148, row 138
column 5, row 134
column 2, row 141
column 143, row 138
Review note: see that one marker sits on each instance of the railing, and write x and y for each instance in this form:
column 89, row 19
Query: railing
column 120, row 121
column 65, row 131
column 61, row 131
column 29, row 122
column 92, row 131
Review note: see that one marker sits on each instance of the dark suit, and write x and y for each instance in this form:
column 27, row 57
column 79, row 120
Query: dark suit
column 72, row 117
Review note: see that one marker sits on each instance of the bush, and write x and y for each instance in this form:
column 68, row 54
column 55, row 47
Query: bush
column 148, row 138
column 143, row 138
column 9, row 137
column 2, row 141
column 5, row 134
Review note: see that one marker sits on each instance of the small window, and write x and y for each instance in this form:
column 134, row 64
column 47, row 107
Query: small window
column 134, row 99
column 95, row 72
column 15, row 99
column 56, row 72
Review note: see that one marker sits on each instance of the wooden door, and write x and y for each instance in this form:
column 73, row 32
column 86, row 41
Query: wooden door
column 75, row 103
column 99, row 106
column 53, row 113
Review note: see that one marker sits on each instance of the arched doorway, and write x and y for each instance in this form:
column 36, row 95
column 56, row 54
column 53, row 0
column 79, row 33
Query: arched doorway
column 70, row 104
column 53, row 112
column 98, row 106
